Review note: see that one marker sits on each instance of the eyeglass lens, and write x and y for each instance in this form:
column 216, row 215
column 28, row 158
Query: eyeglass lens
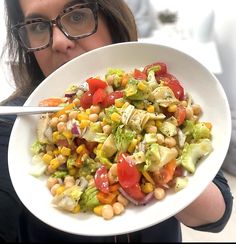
column 79, row 22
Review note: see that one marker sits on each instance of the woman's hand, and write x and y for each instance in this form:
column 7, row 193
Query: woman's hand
column 209, row 207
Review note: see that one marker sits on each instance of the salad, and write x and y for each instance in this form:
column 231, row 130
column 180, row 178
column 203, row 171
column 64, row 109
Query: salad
column 126, row 138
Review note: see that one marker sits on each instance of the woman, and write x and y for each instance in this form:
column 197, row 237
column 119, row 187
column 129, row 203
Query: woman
column 107, row 22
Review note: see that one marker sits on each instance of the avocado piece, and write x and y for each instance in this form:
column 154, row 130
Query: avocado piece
column 109, row 146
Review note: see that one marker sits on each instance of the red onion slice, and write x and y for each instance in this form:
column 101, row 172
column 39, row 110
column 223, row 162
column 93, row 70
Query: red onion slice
column 144, row 201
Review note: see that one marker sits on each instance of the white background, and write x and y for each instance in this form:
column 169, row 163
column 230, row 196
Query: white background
column 224, row 36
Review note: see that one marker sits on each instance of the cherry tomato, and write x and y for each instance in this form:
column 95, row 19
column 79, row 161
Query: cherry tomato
column 180, row 114
column 111, row 97
column 99, row 96
column 127, row 172
column 139, row 75
column 86, row 100
column 135, row 192
column 173, row 84
column 101, row 179
column 161, row 68
column 95, row 84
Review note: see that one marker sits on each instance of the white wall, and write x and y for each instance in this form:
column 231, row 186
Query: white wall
column 225, row 36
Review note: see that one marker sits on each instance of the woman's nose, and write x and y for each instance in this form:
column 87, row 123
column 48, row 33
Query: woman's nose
column 60, row 42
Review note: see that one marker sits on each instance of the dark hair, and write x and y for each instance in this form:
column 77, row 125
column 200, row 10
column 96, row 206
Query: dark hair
column 25, row 69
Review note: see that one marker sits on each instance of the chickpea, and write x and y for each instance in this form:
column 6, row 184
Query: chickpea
column 69, row 178
column 118, row 208
column 160, row 138
column 196, row 109
column 69, row 184
column 93, row 117
column 63, row 118
column 61, row 126
column 73, row 115
column 95, row 109
column 54, row 189
column 110, row 79
column 175, row 151
column 107, row 129
column 189, row 113
column 170, row 142
column 107, row 211
column 53, row 122
column 61, row 158
column 121, row 199
column 51, row 182
column 159, row 193
column 113, row 169
column 76, row 101
column 151, row 129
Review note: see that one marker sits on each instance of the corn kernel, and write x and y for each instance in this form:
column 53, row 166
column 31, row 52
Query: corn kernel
column 55, row 136
column 87, row 111
column 98, row 210
column 141, row 86
column 56, row 152
column 60, row 189
column 76, row 209
column 47, row 158
column 115, row 117
column 72, row 171
column 159, row 123
column 84, row 123
column 208, row 125
column 54, row 163
column 119, row 102
column 151, row 109
column 82, row 116
column 80, row 148
column 67, row 134
column 65, row 151
column 132, row 145
column 172, row 108
column 147, row 187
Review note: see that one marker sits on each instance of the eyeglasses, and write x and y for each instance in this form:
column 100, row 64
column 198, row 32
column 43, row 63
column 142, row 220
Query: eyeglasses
column 76, row 22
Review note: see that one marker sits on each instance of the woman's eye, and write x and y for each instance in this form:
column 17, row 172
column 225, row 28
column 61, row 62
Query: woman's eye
column 77, row 16
column 38, row 27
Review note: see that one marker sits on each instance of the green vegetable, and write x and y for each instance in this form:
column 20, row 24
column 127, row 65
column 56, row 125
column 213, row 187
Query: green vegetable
column 89, row 199
column 180, row 183
column 193, row 152
column 37, row 147
column 123, row 138
column 200, row 131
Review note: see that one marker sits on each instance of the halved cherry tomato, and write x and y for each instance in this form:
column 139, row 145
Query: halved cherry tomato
column 127, row 172
column 101, row 179
column 161, row 68
column 180, row 114
column 111, row 97
column 139, row 75
column 86, row 100
column 173, row 84
column 135, row 192
column 99, row 96
column 95, row 84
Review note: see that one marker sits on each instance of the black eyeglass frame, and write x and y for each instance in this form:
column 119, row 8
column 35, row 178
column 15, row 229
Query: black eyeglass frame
column 57, row 21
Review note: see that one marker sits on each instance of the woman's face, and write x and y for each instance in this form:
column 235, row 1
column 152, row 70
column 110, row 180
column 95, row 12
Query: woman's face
column 62, row 49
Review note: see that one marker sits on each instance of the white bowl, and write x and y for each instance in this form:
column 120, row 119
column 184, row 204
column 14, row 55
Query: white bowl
column 205, row 89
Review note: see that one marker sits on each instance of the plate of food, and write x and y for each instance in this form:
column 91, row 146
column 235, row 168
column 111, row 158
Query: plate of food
column 142, row 130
